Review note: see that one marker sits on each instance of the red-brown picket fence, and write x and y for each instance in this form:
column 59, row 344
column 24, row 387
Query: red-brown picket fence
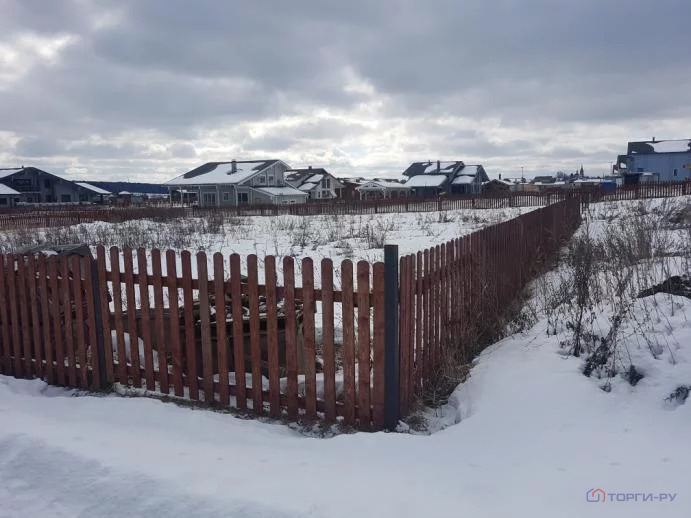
column 230, row 338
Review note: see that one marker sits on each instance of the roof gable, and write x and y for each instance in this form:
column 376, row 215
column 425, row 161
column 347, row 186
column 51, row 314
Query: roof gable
column 213, row 173
column 659, row 146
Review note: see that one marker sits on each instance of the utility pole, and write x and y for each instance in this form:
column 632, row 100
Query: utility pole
column 522, row 176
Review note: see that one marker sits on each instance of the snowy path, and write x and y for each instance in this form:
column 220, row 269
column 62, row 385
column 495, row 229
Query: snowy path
column 535, row 437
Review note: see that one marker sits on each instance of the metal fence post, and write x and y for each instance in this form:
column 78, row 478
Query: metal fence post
column 392, row 394
column 100, row 346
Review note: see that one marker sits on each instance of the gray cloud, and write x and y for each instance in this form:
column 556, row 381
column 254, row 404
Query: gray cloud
column 362, row 86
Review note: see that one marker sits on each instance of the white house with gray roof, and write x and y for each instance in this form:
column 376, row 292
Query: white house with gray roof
column 219, row 184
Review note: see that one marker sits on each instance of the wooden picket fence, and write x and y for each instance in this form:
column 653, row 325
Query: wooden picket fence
column 229, row 338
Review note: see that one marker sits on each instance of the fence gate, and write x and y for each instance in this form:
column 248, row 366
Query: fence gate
column 48, row 319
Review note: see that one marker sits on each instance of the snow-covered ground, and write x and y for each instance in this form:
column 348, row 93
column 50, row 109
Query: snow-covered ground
column 335, row 237
column 532, row 436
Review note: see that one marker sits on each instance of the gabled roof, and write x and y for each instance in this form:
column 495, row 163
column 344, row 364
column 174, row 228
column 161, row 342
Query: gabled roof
column 659, row 146
column 92, row 188
column 433, row 167
column 213, row 173
column 426, row 180
column 5, row 190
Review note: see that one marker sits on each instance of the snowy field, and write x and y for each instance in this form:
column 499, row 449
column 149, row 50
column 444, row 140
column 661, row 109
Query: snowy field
column 335, row 237
column 527, row 434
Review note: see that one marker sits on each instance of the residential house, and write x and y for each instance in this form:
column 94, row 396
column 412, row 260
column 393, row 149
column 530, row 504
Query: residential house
column 319, row 184
column 497, row 186
column 453, row 177
column 37, row 186
column 219, row 184
column 382, row 189
column 91, row 193
column 8, row 197
column 469, row 180
column 665, row 160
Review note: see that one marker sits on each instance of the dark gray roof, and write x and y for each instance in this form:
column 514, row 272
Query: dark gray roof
column 210, row 166
column 434, row 167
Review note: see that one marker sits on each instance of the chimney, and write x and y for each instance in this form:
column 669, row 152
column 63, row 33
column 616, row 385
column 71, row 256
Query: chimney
column 309, row 167
column 438, row 166
column 653, row 139
column 233, row 167
column 500, row 176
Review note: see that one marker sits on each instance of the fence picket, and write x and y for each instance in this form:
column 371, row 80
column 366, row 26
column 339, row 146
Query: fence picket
column 119, row 324
column 378, row 345
column 68, row 321
column 272, row 337
column 161, row 343
column 174, row 322
column 364, row 351
column 47, row 345
column 105, row 311
column 80, row 342
column 255, row 343
column 53, row 264
column 308, row 308
column 132, row 317
column 191, row 363
column 205, row 329
column 328, row 353
column 34, row 304
column 221, row 329
column 145, row 302
column 348, row 305
column 291, row 337
column 238, row 332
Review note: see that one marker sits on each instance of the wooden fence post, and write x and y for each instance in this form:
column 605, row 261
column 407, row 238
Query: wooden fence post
column 392, row 395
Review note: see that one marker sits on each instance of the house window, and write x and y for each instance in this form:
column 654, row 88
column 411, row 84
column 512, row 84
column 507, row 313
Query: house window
column 639, row 170
column 271, row 179
column 261, row 179
column 326, row 183
column 226, row 196
column 3, row 201
column 325, row 194
column 243, row 197
column 65, row 198
column 46, row 184
column 676, row 172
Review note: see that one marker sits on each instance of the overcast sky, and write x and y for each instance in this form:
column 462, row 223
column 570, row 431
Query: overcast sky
column 148, row 89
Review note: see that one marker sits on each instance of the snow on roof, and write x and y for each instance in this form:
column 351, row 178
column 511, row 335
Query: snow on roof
column 671, row 146
column 447, row 167
column 315, row 178
column 5, row 190
column 92, row 188
column 463, row 179
column 426, row 180
column 369, row 185
column 220, row 173
column 8, row 172
column 124, row 193
column 281, row 191
column 307, row 186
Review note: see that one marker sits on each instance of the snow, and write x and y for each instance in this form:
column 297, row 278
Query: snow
column 315, row 178
column 426, row 180
column 307, row 186
column 378, row 185
column 527, row 434
column 5, row 190
column 4, row 173
column 443, row 166
column 533, row 436
column 92, row 188
column 671, row 146
column 463, row 180
column 281, row 191
column 219, row 175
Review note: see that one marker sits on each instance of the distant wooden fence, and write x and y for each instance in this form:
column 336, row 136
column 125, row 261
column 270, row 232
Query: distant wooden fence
column 229, row 338
column 46, row 218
